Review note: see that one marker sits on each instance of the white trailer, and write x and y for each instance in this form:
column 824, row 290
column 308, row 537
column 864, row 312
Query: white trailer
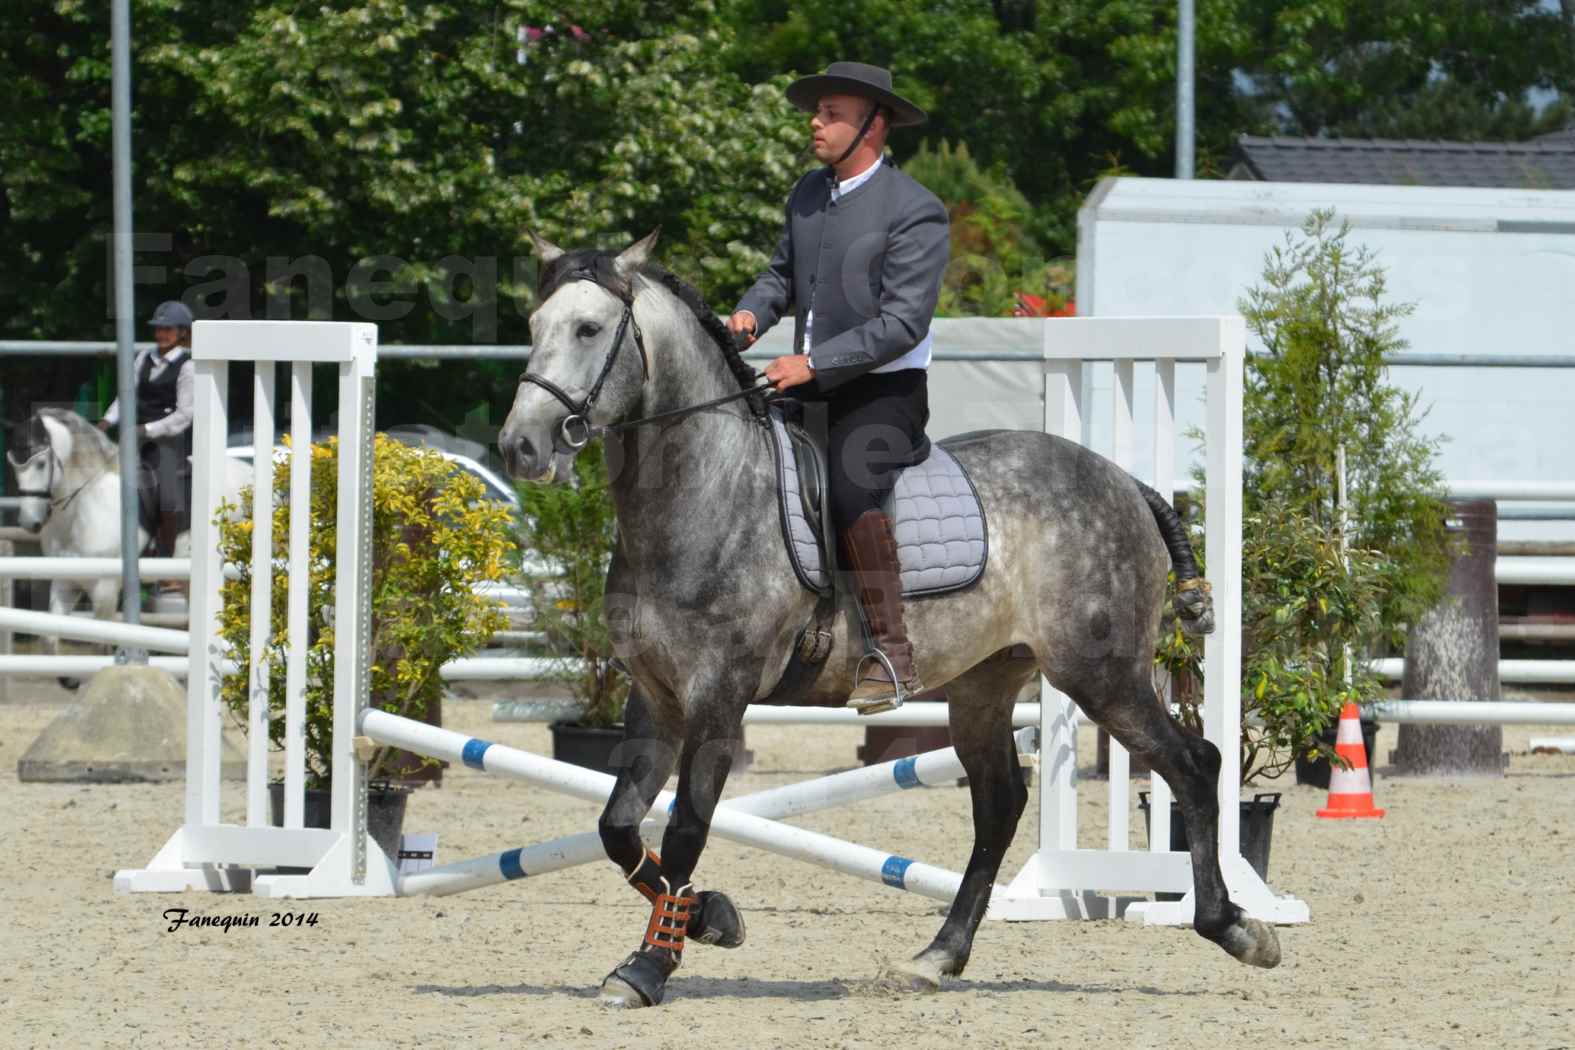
column 1492, row 272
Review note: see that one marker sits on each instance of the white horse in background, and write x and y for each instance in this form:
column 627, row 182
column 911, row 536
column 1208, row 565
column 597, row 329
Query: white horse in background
column 68, row 478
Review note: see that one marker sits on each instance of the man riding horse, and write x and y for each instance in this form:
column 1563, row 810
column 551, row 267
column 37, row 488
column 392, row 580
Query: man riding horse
column 859, row 266
column 704, row 607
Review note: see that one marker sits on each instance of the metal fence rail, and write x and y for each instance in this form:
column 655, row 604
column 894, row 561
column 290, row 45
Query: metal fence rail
column 521, row 351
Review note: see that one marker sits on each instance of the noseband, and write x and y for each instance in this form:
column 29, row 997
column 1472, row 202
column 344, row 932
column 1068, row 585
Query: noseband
column 576, row 431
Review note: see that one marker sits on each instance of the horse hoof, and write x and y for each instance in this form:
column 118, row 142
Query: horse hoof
column 922, row 973
column 1253, row 942
column 717, row 921
column 640, row 980
column 617, row 994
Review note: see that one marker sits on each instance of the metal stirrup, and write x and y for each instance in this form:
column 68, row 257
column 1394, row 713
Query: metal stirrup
column 877, row 653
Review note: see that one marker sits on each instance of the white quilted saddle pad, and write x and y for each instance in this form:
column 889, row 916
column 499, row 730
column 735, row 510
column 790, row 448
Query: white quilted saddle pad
column 942, row 543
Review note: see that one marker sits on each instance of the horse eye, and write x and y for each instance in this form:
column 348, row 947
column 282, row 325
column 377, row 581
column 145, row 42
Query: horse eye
column 587, row 330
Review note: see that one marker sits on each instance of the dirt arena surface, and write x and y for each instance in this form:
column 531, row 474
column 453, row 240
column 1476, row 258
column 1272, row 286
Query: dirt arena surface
column 1449, row 924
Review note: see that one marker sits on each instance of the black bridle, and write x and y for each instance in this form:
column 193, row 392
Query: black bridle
column 576, row 430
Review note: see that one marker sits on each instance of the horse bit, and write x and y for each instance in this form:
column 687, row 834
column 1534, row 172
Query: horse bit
column 576, row 430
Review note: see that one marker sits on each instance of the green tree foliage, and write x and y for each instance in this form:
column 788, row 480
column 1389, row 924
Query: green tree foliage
column 1323, row 315
column 1456, row 69
column 1057, row 93
column 435, row 538
column 358, row 129
column 412, row 135
column 994, row 255
column 1061, row 93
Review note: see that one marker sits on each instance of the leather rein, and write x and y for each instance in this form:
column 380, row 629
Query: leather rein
column 576, row 430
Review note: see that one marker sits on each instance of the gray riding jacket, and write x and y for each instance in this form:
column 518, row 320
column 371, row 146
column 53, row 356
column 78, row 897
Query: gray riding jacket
column 869, row 263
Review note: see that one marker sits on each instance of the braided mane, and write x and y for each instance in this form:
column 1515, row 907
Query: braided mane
column 602, row 266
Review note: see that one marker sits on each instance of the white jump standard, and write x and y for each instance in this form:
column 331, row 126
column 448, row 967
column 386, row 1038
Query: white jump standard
column 204, row 853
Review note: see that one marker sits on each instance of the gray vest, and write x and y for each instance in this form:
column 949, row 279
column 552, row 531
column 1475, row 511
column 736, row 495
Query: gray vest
column 870, row 264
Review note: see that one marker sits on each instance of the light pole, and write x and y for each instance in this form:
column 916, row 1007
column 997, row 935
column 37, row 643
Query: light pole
column 125, row 351
column 1185, row 74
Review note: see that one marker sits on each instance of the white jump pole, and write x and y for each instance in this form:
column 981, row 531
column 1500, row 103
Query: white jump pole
column 931, row 769
column 1471, row 712
column 907, row 716
column 912, row 715
column 23, row 568
column 88, row 630
column 1518, row 672
column 78, row 666
column 782, row 839
column 464, row 670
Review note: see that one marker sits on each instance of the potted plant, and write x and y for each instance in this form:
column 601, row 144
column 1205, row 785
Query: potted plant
column 434, row 539
column 570, row 529
column 1343, row 517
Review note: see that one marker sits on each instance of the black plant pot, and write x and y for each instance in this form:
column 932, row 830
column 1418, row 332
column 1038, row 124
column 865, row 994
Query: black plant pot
column 1315, row 773
column 1257, row 829
column 385, row 815
column 590, row 747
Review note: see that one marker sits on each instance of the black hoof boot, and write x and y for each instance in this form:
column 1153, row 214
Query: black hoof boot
column 640, row 980
column 717, row 921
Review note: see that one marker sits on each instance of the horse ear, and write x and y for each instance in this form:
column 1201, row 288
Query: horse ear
column 637, row 254
column 546, row 251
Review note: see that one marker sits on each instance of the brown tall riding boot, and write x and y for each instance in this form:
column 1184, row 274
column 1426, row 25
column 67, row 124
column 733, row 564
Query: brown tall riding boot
column 872, row 555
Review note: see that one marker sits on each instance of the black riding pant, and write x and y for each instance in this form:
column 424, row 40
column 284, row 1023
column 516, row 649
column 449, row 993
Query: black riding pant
column 164, row 489
column 874, row 426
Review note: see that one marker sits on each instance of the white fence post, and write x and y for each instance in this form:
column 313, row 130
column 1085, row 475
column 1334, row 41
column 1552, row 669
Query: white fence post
column 204, row 853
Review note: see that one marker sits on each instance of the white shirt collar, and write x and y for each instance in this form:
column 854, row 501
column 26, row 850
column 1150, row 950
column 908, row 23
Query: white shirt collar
column 842, row 186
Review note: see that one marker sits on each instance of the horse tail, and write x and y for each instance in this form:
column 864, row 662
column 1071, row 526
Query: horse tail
column 1193, row 605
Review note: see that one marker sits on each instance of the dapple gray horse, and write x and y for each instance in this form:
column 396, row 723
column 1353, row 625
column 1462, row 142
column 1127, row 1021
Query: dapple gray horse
column 705, row 608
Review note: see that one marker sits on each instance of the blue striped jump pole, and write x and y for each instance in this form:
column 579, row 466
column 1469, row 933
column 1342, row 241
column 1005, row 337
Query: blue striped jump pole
column 729, row 823
column 931, row 769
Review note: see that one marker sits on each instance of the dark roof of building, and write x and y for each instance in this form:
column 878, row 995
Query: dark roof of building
column 1546, row 163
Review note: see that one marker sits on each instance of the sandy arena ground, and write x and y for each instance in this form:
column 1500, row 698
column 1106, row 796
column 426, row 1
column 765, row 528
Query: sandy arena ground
column 1449, row 924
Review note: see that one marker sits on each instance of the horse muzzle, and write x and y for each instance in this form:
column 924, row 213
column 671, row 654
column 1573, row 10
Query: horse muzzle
column 34, row 513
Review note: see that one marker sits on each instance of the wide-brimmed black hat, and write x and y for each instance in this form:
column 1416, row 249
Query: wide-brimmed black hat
column 855, row 78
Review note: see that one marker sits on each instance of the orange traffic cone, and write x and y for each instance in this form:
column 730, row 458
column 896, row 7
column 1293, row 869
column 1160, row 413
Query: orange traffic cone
column 1350, row 790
